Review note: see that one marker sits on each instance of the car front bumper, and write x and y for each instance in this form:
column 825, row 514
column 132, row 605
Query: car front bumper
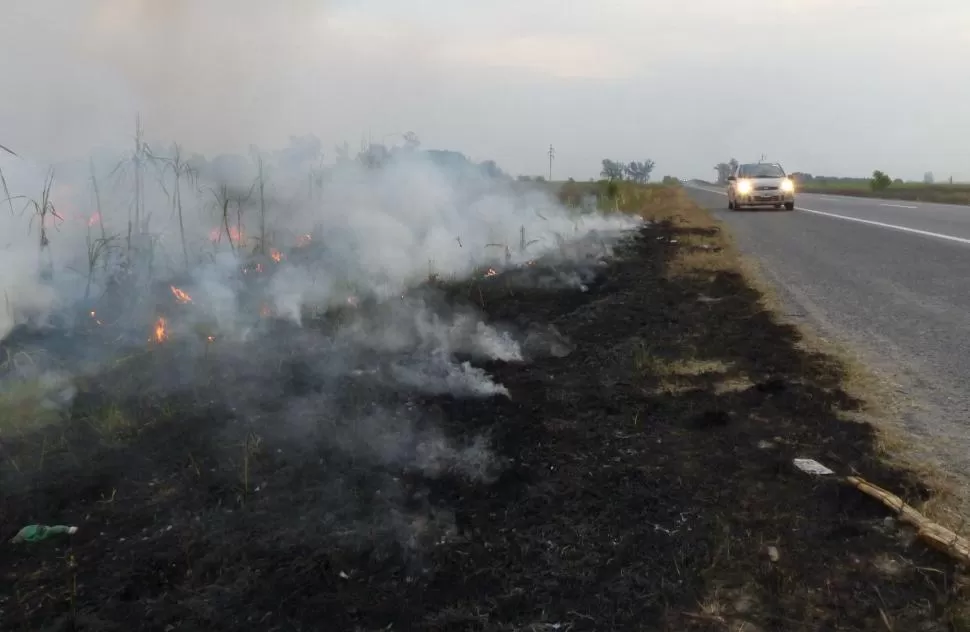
column 766, row 198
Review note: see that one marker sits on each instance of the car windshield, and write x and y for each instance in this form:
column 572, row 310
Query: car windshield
column 762, row 171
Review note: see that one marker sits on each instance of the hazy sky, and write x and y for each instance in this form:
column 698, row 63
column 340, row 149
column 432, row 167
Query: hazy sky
column 825, row 86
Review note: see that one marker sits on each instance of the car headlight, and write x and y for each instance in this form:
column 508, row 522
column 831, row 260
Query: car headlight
column 787, row 185
column 744, row 186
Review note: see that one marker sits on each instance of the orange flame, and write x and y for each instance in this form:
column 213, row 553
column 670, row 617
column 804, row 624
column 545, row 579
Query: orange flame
column 94, row 219
column 276, row 255
column 181, row 296
column 265, row 311
column 94, row 316
column 491, row 272
column 161, row 333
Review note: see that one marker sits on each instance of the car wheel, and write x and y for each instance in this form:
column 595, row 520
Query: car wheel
column 789, row 206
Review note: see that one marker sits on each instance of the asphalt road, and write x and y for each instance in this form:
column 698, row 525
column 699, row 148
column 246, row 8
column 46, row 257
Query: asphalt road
column 889, row 278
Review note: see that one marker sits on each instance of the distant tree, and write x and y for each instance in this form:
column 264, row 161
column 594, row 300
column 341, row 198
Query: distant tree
column 928, row 177
column 540, row 178
column 879, row 181
column 725, row 169
column 671, row 180
column 524, row 178
column 411, row 141
column 898, row 181
column 646, row 167
column 612, row 170
column 639, row 172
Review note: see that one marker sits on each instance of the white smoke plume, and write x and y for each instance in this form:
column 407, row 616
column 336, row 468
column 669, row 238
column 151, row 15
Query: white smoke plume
column 284, row 284
column 343, row 232
column 407, row 325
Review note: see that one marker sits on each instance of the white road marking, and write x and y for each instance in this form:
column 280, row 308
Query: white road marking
column 905, row 229
column 848, row 218
column 898, row 206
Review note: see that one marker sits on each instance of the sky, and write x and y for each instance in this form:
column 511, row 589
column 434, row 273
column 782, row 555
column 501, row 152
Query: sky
column 835, row 87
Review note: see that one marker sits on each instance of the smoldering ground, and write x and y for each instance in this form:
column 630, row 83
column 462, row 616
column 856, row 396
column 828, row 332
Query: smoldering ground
column 277, row 315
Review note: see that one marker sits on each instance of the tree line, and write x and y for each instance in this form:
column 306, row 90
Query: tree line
column 878, row 181
column 636, row 172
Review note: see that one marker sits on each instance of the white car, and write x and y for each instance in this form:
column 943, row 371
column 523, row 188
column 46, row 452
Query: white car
column 761, row 184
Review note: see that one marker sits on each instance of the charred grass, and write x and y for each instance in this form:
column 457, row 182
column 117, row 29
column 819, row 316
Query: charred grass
column 642, row 479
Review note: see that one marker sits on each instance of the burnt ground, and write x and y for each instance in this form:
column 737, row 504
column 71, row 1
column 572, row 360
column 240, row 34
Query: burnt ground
column 636, row 483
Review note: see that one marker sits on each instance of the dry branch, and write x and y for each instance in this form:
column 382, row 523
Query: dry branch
column 937, row 536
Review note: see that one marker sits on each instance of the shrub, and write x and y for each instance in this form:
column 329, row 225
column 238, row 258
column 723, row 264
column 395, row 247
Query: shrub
column 879, row 181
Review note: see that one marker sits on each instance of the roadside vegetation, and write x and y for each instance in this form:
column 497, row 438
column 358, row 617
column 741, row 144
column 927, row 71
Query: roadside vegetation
column 943, row 193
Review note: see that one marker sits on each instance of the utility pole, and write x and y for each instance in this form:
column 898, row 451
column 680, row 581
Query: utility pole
column 552, row 155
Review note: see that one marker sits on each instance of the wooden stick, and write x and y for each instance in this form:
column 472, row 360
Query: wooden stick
column 937, row 536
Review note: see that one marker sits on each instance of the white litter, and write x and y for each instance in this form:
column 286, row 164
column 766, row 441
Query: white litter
column 773, row 554
column 811, row 466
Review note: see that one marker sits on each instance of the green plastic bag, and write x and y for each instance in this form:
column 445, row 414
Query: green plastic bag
column 38, row 532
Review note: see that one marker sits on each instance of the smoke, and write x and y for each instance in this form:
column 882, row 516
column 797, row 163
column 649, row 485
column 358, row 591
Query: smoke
column 417, row 325
column 220, row 71
column 309, row 297
column 152, row 244
column 391, row 436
